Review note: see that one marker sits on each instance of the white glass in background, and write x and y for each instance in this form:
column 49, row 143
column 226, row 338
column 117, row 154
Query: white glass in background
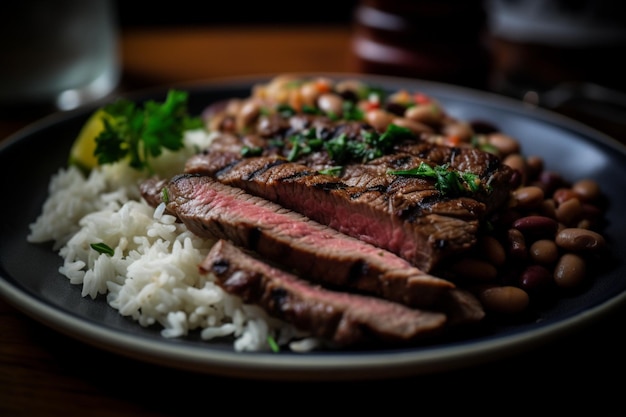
column 57, row 54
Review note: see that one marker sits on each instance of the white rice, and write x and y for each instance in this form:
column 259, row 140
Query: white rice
column 153, row 275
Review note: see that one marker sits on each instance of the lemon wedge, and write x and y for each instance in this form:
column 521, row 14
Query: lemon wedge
column 84, row 146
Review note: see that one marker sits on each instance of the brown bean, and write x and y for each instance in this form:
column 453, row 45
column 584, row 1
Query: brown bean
column 588, row 190
column 379, row 119
column 492, row 250
column 591, row 211
column 504, row 299
column 309, row 93
column 544, row 251
column 475, row 269
column 528, row 197
column 576, row 239
column 534, row 165
column 562, row 194
column 248, row 113
column 428, row 114
column 504, row 143
column 415, row 127
column 548, row 208
column 550, row 181
column 517, row 162
column 330, row 103
column 569, row 211
column 570, row 271
column 462, row 130
column 516, row 244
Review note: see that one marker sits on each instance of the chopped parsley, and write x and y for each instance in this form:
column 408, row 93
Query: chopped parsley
column 374, row 145
column 447, row 181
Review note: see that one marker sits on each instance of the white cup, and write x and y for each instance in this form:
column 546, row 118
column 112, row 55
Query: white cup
column 57, row 54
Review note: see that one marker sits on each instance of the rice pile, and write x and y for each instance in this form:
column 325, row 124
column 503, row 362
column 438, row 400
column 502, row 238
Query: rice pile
column 153, row 274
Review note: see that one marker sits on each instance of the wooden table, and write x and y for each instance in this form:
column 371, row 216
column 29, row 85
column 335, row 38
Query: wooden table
column 44, row 373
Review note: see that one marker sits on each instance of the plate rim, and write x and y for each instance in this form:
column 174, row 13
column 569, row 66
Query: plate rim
column 312, row 367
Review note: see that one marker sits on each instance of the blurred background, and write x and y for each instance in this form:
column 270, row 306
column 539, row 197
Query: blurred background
column 565, row 55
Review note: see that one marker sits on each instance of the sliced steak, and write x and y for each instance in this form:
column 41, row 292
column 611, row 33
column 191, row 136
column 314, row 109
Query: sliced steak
column 342, row 318
column 404, row 215
column 214, row 210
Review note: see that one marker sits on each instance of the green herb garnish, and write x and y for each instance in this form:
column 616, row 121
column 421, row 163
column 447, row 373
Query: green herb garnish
column 334, row 171
column 477, row 143
column 351, row 111
column 285, row 110
column 447, row 181
column 374, row 145
column 248, row 151
column 303, row 144
column 165, row 195
column 142, row 133
column 102, row 248
column 273, row 344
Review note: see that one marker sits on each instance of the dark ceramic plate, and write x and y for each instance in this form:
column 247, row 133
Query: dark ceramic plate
column 29, row 277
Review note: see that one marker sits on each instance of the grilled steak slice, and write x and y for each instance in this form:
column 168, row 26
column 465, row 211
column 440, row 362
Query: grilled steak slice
column 214, row 210
column 404, row 215
column 344, row 319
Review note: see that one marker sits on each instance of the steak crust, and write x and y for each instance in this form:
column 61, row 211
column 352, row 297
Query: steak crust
column 344, row 319
column 406, row 216
column 214, row 210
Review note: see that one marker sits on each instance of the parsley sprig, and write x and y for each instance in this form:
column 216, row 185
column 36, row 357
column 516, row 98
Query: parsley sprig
column 139, row 134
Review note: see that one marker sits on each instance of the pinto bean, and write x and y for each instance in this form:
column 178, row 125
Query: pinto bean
column 544, row 251
column 429, row 114
column 248, row 113
column 550, row 181
column 379, row 119
column 528, row 197
column 587, row 190
column 462, row 130
column 475, row 269
column 330, row 103
column 576, row 239
column 504, row 143
column 534, row 165
column 415, row 127
column 517, row 162
column 492, row 250
column 569, row 211
column 516, row 244
column 570, row 271
column 505, row 299
column 548, row 208
column 563, row 194
column 309, row 93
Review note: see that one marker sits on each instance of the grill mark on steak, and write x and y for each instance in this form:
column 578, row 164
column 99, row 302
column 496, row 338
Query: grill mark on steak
column 344, row 319
column 214, row 210
column 390, row 216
